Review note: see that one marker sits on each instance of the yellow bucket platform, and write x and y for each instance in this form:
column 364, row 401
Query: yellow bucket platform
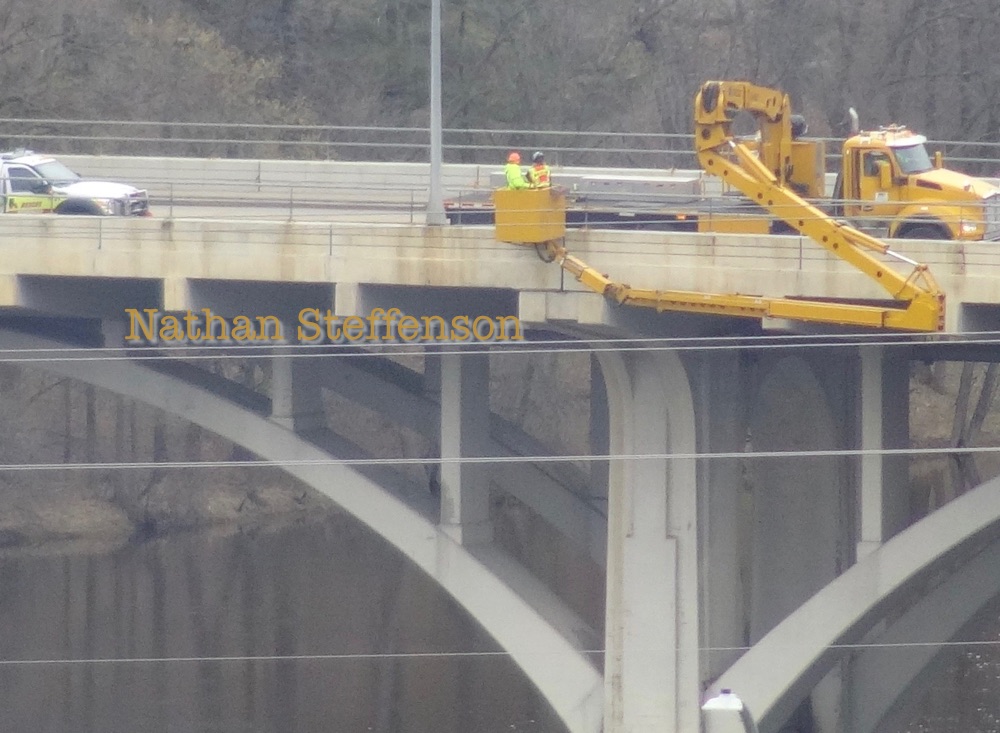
column 530, row 215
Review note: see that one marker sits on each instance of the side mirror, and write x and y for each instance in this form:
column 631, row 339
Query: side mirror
column 41, row 187
column 884, row 175
column 938, row 159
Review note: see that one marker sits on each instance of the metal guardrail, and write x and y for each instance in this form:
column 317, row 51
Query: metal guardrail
column 402, row 144
column 332, row 142
column 299, row 186
column 377, row 192
column 388, row 192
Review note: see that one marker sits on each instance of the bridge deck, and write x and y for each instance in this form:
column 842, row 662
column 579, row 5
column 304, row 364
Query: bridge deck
column 171, row 253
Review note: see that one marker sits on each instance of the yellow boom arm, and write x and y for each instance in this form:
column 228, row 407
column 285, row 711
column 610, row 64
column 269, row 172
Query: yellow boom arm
column 761, row 172
column 763, row 178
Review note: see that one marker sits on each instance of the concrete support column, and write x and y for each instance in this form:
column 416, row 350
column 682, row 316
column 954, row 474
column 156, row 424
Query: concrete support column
column 465, row 416
column 114, row 331
column 599, row 430
column 296, row 398
column 432, row 372
column 652, row 638
column 883, row 499
column 722, row 385
column 883, row 485
column 801, row 506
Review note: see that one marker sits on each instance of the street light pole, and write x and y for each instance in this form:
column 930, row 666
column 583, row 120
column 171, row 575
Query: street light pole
column 435, row 198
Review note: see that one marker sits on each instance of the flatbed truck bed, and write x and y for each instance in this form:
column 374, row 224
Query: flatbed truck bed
column 667, row 203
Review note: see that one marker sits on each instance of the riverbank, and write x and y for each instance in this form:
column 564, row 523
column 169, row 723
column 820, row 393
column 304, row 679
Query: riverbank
column 59, row 516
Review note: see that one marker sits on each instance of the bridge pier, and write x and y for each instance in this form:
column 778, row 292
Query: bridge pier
column 465, row 432
column 114, row 331
column 296, row 397
column 885, row 424
column 599, row 433
column 722, row 391
column 796, row 522
column 882, row 495
column 651, row 669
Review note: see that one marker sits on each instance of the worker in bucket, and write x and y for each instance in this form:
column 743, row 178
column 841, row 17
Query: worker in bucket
column 514, row 174
column 539, row 173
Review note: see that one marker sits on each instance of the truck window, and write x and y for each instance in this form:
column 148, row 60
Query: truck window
column 913, row 159
column 21, row 179
column 872, row 159
column 55, row 172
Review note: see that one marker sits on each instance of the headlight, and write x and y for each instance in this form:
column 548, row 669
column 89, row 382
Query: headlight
column 108, row 207
column 112, row 207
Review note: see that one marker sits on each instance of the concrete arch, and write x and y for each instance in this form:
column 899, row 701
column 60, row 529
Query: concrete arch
column 652, row 666
column 543, row 637
column 887, row 677
column 781, row 669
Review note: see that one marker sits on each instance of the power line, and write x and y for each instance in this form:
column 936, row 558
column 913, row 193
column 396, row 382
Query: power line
column 365, row 348
column 363, row 656
column 470, row 460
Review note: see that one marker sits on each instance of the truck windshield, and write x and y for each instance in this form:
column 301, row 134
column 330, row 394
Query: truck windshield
column 55, row 172
column 913, row 159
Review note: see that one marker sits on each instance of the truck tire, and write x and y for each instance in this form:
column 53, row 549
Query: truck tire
column 79, row 207
column 924, row 231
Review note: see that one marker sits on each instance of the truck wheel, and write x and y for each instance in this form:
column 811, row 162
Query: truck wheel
column 924, row 231
column 79, row 208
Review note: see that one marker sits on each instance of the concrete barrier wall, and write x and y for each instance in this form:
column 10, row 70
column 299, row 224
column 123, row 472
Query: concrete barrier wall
column 194, row 180
column 461, row 256
column 320, row 181
column 223, row 179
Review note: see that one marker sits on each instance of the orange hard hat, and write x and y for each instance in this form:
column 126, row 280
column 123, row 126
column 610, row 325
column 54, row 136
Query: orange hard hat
column 514, row 158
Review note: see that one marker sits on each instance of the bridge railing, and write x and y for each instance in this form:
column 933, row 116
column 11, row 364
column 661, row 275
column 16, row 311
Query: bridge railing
column 397, row 192
column 294, row 187
column 644, row 253
column 397, row 144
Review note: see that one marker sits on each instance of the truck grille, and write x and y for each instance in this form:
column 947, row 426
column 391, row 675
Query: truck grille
column 138, row 203
column 991, row 215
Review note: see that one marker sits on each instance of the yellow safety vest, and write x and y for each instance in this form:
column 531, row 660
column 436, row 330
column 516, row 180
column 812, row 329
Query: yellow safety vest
column 540, row 175
column 515, row 179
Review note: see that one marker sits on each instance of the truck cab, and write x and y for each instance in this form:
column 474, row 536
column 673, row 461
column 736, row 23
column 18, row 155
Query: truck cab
column 890, row 182
column 39, row 184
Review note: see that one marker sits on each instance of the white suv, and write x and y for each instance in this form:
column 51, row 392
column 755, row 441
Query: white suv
column 39, row 184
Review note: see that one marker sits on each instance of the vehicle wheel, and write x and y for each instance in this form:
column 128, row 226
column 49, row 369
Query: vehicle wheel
column 924, row 231
column 79, row 208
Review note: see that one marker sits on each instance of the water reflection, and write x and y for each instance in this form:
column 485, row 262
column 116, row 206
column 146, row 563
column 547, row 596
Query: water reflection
column 324, row 587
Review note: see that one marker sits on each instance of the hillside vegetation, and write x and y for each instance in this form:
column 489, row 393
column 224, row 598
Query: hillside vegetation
column 576, row 65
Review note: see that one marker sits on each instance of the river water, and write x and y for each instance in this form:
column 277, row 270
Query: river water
column 310, row 627
column 274, row 631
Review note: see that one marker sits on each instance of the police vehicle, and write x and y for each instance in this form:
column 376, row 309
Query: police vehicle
column 31, row 183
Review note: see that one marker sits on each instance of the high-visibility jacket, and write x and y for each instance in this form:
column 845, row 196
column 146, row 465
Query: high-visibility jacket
column 515, row 178
column 540, row 175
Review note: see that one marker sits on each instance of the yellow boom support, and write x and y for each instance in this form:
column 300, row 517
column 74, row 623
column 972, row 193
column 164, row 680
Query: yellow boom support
column 762, row 177
column 762, row 174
